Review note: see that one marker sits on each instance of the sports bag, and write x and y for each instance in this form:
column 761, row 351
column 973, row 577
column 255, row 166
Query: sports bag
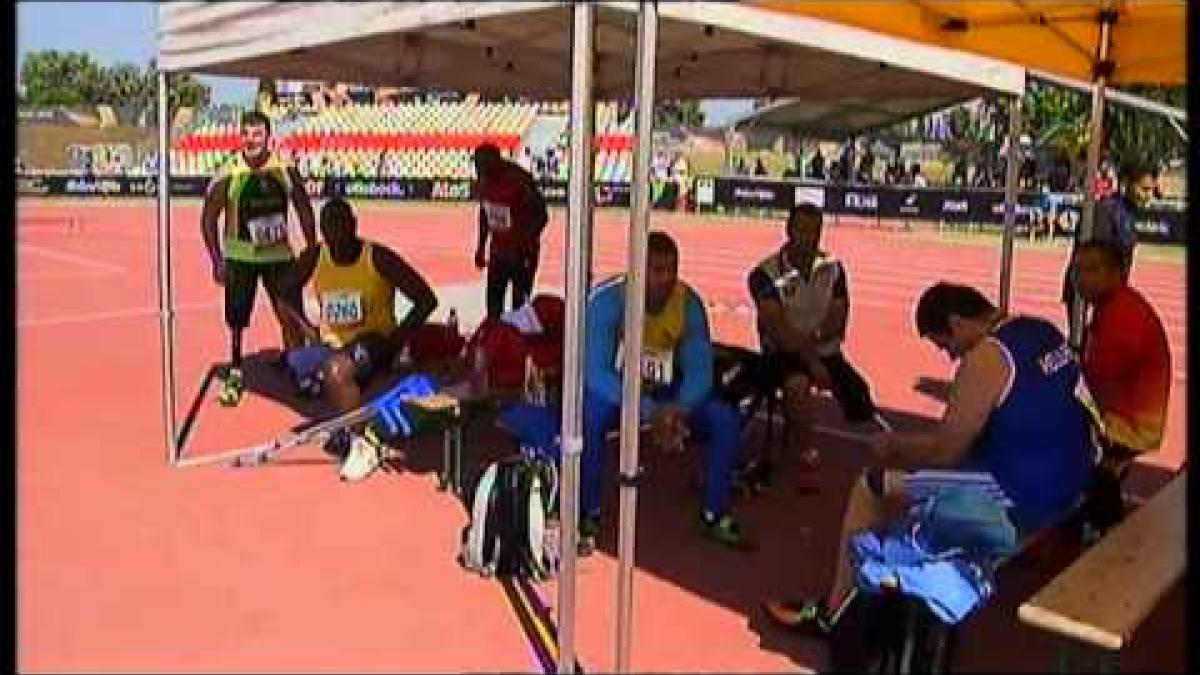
column 512, row 509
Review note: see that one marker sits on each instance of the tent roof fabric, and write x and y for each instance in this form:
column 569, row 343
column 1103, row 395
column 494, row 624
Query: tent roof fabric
column 705, row 50
column 1148, row 46
column 842, row 115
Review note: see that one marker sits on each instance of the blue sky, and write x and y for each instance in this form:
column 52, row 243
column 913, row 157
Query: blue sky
column 116, row 32
column 111, row 32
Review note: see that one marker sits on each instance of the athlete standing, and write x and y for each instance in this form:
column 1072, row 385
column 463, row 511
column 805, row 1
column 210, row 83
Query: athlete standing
column 512, row 212
column 253, row 193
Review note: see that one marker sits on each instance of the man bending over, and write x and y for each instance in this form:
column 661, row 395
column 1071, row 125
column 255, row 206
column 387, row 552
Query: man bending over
column 1017, row 416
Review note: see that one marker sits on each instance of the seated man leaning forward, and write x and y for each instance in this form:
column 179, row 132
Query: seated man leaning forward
column 356, row 282
column 801, row 295
column 677, row 397
column 1018, row 418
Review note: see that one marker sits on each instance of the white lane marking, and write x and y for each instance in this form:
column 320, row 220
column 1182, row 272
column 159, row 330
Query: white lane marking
column 126, row 313
column 72, row 258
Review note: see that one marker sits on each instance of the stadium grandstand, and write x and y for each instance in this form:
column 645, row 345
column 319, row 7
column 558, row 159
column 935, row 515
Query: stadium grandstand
column 410, row 139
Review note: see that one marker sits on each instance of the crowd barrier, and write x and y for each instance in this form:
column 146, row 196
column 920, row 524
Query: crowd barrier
column 1158, row 223
column 664, row 194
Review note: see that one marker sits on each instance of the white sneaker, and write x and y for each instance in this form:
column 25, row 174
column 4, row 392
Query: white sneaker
column 365, row 456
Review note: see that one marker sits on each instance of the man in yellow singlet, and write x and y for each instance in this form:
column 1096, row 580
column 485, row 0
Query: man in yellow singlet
column 253, row 193
column 355, row 282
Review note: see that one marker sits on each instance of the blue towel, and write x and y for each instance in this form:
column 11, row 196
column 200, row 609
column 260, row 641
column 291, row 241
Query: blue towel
column 949, row 584
column 389, row 406
column 949, row 591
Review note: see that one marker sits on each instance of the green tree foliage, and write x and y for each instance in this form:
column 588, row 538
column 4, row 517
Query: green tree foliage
column 51, row 77
column 1059, row 120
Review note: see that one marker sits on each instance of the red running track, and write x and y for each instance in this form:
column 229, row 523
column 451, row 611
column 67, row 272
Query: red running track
column 126, row 564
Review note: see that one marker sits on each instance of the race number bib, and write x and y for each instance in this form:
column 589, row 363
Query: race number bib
column 342, row 308
column 267, row 230
column 658, row 367
column 499, row 216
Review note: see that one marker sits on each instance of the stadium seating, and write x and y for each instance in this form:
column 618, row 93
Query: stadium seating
column 398, row 140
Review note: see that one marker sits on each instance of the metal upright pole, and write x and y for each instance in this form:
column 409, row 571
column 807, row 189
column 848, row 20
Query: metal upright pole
column 635, row 309
column 1107, row 17
column 579, row 209
column 1010, row 200
column 166, row 295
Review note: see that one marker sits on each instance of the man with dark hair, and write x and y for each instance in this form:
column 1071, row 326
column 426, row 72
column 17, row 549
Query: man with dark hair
column 1114, row 222
column 1016, row 434
column 677, row 389
column 356, row 283
column 253, row 193
column 513, row 213
column 1127, row 365
column 803, row 303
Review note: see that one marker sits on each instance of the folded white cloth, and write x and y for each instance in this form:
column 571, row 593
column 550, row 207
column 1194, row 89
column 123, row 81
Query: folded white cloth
column 524, row 319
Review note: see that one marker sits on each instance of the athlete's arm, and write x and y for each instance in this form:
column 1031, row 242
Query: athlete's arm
column 774, row 322
column 601, row 378
column 695, row 355
column 298, row 274
column 834, row 323
column 975, row 392
column 535, row 202
column 295, row 278
column 303, row 204
column 483, row 237
column 214, row 205
column 408, row 281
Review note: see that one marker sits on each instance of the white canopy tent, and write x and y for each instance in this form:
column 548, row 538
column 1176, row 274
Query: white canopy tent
column 552, row 49
column 853, row 110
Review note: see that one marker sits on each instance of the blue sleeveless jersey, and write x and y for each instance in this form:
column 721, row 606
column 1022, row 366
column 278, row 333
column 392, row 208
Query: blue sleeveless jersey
column 1037, row 441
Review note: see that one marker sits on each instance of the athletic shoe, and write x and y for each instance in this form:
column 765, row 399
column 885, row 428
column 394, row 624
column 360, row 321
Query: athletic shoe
column 725, row 531
column 367, row 453
column 338, row 444
column 809, row 617
column 230, row 393
column 589, row 529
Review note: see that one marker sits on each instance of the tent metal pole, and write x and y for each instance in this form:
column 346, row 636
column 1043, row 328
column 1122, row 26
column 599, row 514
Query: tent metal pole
column 166, row 295
column 635, row 309
column 1010, row 200
column 1093, row 167
column 579, row 212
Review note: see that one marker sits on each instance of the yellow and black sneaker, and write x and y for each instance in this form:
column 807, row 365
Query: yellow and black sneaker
column 230, row 393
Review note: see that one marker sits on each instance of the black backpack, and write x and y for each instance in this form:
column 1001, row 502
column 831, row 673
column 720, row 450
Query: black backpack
column 512, row 511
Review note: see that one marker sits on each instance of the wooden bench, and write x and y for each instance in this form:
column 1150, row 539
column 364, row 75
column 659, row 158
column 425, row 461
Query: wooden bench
column 1101, row 599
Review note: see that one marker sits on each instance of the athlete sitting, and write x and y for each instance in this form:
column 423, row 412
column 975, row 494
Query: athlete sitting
column 356, row 282
column 1017, row 419
column 677, row 385
column 802, row 299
